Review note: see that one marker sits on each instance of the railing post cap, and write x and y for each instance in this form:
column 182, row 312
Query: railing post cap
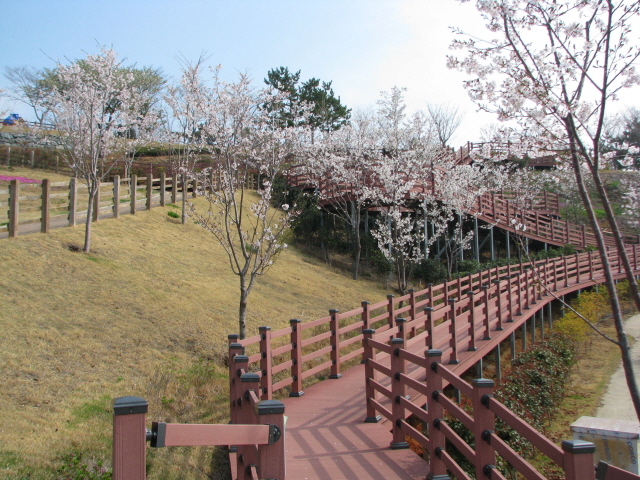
column 452, row 300
column 484, row 287
column 400, row 320
column 250, row 377
column 233, row 336
column 368, row 331
column 270, row 407
column 390, row 295
column 395, row 341
column 434, row 353
column 429, row 285
column 365, row 302
column 235, row 346
column 295, row 320
column 129, row 405
column 483, row 382
column 240, row 359
column 411, row 290
column 334, row 311
column 578, row 446
column 264, row 329
column 469, row 292
column 495, row 281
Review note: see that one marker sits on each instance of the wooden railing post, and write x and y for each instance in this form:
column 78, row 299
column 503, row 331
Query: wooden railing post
column 369, row 375
column 334, row 325
column 271, row 457
column 266, row 382
column 499, row 303
column 429, row 326
column 237, row 363
column 73, row 201
column 555, row 274
column 519, row 288
column 485, row 319
column 453, row 332
column 412, row 304
column 116, row 196
column 390, row 310
column 366, row 316
column 14, row 207
column 578, row 459
column 566, row 270
column 435, row 414
column 509, row 300
column 472, row 321
column 133, row 185
column 398, row 391
column 296, row 358
column 247, row 454
column 527, row 293
column 483, row 427
column 46, row 204
column 129, row 438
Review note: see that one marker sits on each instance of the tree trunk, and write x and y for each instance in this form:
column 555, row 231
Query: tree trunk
column 242, row 317
column 623, row 344
column 183, row 180
column 93, row 190
column 355, row 216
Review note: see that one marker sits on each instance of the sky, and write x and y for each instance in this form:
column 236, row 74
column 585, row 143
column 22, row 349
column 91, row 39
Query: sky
column 363, row 46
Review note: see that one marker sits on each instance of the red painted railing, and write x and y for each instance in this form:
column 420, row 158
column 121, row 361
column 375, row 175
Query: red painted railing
column 258, row 437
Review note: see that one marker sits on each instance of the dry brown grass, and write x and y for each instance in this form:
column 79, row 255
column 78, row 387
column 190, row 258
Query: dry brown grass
column 146, row 314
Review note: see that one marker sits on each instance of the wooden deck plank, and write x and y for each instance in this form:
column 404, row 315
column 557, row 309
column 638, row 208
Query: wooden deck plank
column 327, row 438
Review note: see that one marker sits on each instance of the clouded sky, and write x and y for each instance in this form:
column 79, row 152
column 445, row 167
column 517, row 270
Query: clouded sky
column 363, row 46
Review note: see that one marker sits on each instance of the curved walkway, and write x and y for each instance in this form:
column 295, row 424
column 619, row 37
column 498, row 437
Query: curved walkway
column 616, row 402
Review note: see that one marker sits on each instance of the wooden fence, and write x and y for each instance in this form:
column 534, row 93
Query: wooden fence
column 259, row 439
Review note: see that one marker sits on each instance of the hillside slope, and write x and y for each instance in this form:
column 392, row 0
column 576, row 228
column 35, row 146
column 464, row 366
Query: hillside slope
column 146, row 314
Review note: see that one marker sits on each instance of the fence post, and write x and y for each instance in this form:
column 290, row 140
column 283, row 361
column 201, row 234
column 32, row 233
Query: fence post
column 163, row 187
column 435, row 414
column 453, row 332
column 485, row 320
column 149, row 190
column 194, row 186
column 483, row 427
column 334, row 325
column 271, row 457
column 266, row 383
column 577, row 268
column 247, row 454
column 472, row 321
column 578, row 460
column 14, row 207
column 509, row 300
column 366, row 316
column 73, row 201
column 44, row 218
column 398, row 392
column 390, row 310
column 566, row 270
column 237, row 363
column 369, row 375
column 116, row 196
column 133, row 186
column 402, row 330
column 555, row 275
column 174, row 188
column 129, row 438
column 8, row 156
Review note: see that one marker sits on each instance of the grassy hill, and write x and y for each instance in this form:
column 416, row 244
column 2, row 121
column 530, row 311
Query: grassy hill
column 147, row 313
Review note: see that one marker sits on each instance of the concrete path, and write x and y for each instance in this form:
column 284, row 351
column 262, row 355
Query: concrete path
column 616, row 402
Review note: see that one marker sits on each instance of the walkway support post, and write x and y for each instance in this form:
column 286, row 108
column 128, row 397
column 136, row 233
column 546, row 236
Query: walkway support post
column 266, row 382
column 435, row 412
column 129, row 438
column 483, row 427
column 296, row 358
column 578, row 460
column 453, row 332
column 498, row 359
column 369, row 376
column 334, row 325
column 398, row 392
column 271, row 458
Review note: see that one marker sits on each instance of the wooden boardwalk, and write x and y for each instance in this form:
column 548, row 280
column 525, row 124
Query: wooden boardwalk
column 328, row 439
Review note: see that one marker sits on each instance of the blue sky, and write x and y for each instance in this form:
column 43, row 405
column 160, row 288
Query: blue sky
column 363, row 46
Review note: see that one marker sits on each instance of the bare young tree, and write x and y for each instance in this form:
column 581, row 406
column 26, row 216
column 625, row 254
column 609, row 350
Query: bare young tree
column 30, row 87
column 445, row 120
column 91, row 130
column 554, row 66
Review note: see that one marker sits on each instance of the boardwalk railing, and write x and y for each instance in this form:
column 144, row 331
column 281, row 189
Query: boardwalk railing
column 259, row 440
column 431, row 407
column 455, row 316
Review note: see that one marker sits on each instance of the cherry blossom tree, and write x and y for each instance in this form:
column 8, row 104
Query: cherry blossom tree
column 554, row 67
column 81, row 107
column 244, row 143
